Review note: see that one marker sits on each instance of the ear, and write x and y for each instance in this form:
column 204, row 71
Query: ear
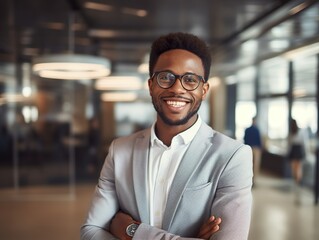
column 205, row 90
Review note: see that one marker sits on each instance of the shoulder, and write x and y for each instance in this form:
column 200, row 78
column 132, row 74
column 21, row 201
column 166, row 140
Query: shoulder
column 219, row 139
column 226, row 142
column 132, row 138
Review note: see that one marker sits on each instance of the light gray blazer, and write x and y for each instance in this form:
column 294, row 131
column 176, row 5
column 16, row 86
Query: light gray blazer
column 214, row 177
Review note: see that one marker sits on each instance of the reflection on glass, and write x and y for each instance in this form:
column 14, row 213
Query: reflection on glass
column 274, row 123
column 305, row 113
column 246, row 106
column 304, row 82
column 245, row 111
column 274, row 76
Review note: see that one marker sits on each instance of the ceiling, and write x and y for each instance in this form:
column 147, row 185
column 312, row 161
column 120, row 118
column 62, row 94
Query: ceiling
column 239, row 32
column 122, row 31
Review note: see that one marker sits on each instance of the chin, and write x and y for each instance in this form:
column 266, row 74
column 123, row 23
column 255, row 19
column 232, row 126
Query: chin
column 176, row 122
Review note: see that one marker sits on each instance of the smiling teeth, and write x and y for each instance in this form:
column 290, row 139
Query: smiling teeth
column 176, row 104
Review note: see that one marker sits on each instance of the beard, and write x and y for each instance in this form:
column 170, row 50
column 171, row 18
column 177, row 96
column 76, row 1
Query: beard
column 181, row 121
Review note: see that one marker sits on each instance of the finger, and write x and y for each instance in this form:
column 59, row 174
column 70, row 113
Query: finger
column 208, row 226
column 213, row 226
column 208, row 234
column 217, row 221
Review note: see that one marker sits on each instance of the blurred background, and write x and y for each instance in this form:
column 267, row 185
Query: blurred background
column 73, row 76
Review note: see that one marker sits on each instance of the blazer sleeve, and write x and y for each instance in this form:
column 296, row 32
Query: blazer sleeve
column 233, row 199
column 104, row 204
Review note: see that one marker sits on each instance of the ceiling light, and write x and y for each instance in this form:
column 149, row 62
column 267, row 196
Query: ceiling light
column 119, row 97
column 118, row 83
column 98, row 6
column 102, row 33
column 135, row 12
column 71, row 66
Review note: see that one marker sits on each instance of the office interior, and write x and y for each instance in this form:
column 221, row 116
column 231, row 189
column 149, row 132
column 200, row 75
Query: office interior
column 57, row 123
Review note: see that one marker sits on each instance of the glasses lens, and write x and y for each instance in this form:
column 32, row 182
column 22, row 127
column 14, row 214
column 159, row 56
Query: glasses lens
column 190, row 81
column 165, row 79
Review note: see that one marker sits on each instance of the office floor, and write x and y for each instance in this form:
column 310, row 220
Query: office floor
column 275, row 214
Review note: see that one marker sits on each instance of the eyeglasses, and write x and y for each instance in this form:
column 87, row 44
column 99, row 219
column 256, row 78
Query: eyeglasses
column 189, row 81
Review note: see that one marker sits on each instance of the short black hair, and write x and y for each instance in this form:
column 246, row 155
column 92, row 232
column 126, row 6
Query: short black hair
column 185, row 41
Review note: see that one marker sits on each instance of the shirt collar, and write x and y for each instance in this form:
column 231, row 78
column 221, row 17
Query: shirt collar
column 185, row 137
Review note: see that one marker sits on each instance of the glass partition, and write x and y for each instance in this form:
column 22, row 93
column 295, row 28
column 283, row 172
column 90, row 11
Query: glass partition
column 273, row 76
column 246, row 105
column 273, row 119
column 304, row 108
column 44, row 135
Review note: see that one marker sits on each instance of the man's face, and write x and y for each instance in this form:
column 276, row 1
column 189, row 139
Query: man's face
column 175, row 105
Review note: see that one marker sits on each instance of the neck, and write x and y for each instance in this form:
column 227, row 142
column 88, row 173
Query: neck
column 166, row 132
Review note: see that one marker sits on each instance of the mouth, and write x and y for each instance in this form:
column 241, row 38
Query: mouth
column 176, row 104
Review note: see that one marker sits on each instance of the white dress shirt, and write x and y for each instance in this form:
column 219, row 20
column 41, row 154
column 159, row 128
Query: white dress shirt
column 163, row 164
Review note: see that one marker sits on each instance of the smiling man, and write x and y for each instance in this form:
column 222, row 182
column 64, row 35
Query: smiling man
column 179, row 179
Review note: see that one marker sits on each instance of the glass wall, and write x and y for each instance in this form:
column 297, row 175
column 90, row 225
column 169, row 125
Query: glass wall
column 273, row 77
column 286, row 89
column 45, row 134
column 273, row 123
column 246, row 105
column 304, row 107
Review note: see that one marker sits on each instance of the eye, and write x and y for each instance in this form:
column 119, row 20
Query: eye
column 165, row 77
column 190, row 79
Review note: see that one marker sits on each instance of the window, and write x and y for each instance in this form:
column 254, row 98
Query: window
column 274, row 77
column 273, row 119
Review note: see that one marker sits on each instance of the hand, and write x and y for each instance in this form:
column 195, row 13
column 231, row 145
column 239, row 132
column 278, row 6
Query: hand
column 119, row 224
column 209, row 227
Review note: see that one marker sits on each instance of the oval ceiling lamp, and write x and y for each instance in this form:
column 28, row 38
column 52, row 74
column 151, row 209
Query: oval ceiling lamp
column 71, row 66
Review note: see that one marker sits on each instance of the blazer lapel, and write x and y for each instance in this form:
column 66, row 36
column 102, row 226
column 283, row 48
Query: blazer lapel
column 192, row 158
column 140, row 174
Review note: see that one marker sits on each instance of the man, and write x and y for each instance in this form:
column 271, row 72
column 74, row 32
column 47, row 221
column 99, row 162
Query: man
column 252, row 138
column 178, row 179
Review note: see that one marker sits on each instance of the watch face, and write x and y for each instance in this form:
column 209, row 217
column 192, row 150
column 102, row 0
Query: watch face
column 131, row 229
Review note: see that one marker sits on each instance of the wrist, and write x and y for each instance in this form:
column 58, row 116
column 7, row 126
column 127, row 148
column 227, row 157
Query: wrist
column 131, row 229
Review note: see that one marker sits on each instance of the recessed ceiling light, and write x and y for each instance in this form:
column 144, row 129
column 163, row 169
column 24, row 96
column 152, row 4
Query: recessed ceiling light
column 98, row 6
column 119, row 97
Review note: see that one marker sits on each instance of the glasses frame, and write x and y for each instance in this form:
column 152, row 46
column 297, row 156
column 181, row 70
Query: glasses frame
column 180, row 77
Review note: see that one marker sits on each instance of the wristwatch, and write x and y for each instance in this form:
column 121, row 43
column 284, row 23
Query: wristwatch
column 131, row 229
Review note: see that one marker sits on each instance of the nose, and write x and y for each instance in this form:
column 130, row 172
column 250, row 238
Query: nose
column 177, row 86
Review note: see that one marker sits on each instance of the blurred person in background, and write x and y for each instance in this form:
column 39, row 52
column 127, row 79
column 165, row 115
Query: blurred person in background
column 296, row 154
column 178, row 179
column 252, row 138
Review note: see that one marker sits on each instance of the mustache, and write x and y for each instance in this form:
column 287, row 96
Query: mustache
column 177, row 96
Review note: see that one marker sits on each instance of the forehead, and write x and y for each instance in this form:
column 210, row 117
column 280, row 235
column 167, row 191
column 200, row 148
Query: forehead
column 179, row 61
